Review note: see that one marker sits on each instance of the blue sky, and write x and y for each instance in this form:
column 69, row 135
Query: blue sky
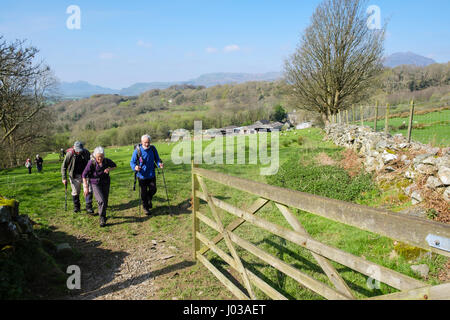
column 124, row 42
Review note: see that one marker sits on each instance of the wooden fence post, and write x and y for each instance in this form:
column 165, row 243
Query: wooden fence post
column 376, row 117
column 361, row 115
column 195, row 206
column 353, row 111
column 386, row 121
column 411, row 116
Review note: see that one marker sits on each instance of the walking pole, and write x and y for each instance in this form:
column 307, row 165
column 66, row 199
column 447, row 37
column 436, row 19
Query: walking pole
column 65, row 202
column 134, row 189
column 165, row 187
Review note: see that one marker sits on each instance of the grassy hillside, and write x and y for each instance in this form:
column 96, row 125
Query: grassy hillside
column 302, row 154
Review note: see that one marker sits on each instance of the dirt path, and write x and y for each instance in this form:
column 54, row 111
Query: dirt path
column 113, row 266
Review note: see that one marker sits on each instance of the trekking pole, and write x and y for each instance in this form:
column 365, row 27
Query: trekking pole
column 165, row 186
column 134, row 189
column 65, row 198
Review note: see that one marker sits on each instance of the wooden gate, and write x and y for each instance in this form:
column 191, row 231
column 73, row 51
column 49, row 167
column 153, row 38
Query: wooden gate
column 410, row 230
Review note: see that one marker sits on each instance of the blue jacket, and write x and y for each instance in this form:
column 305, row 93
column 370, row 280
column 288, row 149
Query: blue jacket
column 147, row 162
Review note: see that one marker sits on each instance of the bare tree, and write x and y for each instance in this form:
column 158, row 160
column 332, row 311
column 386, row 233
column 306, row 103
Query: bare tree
column 338, row 58
column 24, row 88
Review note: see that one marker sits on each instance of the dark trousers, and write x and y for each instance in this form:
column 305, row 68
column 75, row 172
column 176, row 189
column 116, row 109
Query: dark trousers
column 148, row 190
column 101, row 193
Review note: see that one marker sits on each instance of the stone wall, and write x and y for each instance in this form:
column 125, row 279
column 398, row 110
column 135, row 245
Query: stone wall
column 426, row 168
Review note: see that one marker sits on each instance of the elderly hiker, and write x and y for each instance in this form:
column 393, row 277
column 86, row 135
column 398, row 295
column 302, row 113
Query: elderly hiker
column 143, row 161
column 97, row 171
column 74, row 162
column 39, row 162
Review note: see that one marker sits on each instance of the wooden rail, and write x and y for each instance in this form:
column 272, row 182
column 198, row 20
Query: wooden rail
column 410, row 230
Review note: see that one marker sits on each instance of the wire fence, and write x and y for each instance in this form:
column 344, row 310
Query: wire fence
column 417, row 122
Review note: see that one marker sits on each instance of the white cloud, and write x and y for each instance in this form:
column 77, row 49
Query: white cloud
column 211, row 50
column 144, row 44
column 106, row 55
column 231, row 48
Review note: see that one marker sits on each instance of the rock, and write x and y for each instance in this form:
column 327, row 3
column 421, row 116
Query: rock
column 421, row 269
column 63, row 250
column 410, row 175
column 446, row 194
column 426, row 169
column 416, row 197
column 25, row 223
column 5, row 214
column 433, row 182
column 9, row 233
column 389, row 169
column 388, row 157
column 444, row 175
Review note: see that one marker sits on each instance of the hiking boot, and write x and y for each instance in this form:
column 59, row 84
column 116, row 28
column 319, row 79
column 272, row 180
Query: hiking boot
column 76, row 204
column 147, row 212
column 89, row 209
column 103, row 221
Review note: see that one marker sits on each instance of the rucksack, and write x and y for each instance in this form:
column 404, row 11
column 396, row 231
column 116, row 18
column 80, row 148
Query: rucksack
column 137, row 147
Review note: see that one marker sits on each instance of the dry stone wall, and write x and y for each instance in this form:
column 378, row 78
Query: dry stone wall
column 426, row 167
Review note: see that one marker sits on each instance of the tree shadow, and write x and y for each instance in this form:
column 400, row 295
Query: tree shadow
column 98, row 266
column 140, row 279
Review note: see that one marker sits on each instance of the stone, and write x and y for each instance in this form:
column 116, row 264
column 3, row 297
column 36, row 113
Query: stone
column 64, row 250
column 444, row 175
column 410, row 175
column 25, row 223
column 426, row 169
column 421, row 269
column 416, row 197
column 5, row 214
column 388, row 157
column 446, row 194
column 433, row 182
column 415, row 212
column 9, row 233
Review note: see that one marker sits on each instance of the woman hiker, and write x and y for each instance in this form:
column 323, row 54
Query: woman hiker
column 97, row 171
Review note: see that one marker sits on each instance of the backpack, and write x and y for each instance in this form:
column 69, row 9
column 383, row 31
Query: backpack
column 137, row 147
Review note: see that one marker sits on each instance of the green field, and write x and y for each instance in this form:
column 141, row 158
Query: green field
column 431, row 128
column 41, row 196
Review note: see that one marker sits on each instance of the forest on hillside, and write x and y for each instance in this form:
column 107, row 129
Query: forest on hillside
column 120, row 120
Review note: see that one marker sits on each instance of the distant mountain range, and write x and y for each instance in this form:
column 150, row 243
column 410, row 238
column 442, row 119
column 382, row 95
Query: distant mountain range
column 401, row 58
column 82, row 89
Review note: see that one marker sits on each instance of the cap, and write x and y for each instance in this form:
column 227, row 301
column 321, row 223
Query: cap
column 78, row 146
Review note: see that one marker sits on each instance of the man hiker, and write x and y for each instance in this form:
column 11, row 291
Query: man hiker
column 39, row 162
column 74, row 162
column 29, row 165
column 97, row 172
column 143, row 163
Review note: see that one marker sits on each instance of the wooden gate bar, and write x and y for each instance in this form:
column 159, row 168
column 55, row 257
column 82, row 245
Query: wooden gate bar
column 255, row 207
column 302, row 278
column 326, row 265
column 438, row 292
column 226, row 282
column 227, row 239
column 408, row 229
column 260, row 284
column 385, row 275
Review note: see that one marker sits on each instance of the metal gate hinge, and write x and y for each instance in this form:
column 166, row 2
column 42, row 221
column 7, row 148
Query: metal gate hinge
column 438, row 242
